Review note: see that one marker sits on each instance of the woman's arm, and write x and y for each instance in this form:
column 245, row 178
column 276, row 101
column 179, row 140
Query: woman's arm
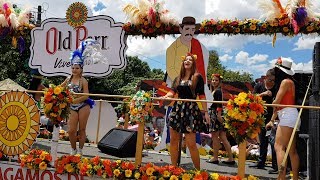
column 85, row 90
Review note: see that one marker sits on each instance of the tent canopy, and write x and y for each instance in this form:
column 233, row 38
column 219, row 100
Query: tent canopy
column 8, row 84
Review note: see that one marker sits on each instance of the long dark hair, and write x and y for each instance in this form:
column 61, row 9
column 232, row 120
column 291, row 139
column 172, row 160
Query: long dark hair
column 183, row 73
column 280, row 76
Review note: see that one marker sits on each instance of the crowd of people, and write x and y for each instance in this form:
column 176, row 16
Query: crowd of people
column 188, row 118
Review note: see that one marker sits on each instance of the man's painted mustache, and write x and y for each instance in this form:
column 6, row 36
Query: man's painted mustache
column 188, row 35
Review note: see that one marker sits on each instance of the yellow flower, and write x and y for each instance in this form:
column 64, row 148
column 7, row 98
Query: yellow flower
column 128, row 173
column 186, row 177
column 43, row 166
column 253, row 115
column 161, row 178
column 29, row 165
column 137, row 175
column 48, row 106
column 158, row 24
column 118, row 161
column 152, row 177
column 242, row 95
column 63, row 105
column 214, row 176
column 147, row 95
column 166, row 174
column 57, row 90
column 174, row 177
column 310, row 28
column 285, row 29
column 85, row 160
column 116, row 172
column 250, row 177
column 42, row 156
column 150, row 171
column 253, row 27
column 69, row 168
column 237, row 30
column 53, row 114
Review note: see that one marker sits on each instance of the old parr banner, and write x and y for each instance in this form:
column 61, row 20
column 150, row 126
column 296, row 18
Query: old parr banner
column 54, row 40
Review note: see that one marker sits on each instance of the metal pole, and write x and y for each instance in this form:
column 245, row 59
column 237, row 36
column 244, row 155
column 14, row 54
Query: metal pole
column 39, row 15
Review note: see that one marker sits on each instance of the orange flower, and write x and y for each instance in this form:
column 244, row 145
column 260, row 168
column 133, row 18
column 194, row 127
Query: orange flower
column 37, row 160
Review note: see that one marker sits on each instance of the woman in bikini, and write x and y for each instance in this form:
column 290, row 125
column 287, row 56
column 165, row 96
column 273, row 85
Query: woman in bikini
column 80, row 107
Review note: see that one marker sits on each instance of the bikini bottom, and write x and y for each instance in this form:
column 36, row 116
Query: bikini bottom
column 77, row 107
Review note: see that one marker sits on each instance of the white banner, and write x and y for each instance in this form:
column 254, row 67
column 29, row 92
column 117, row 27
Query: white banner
column 12, row 171
column 54, row 40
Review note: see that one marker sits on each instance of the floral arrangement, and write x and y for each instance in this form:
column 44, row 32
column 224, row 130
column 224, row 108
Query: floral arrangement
column 35, row 159
column 244, row 116
column 149, row 19
column 297, row 17
column 14, row 22
column 57, row 101
column 141, row 107
column 126, row 170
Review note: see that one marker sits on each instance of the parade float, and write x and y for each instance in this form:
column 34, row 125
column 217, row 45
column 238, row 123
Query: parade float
column 19, row 115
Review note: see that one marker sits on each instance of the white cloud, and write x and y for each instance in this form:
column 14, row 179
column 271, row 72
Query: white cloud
column 243, row 58
column 225, row 57
column 306, row 42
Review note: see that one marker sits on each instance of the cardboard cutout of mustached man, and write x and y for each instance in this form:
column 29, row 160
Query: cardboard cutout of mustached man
column 184, row 44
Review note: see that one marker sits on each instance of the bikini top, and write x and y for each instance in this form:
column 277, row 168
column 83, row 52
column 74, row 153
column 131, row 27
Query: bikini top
column 77, row 88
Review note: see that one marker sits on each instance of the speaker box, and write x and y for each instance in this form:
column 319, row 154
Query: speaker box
column 316, row 68
column 119, row 142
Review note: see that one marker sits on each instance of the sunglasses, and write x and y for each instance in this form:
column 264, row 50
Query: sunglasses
column 270, row 80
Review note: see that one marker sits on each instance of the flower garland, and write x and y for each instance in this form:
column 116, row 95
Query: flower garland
column 35, row 159
column 57, row 100
column 141, row 107
column 126, row 170
column 149, row 19
column 244, row 116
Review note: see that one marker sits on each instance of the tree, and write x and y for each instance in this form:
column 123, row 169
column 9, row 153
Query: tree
column 215, row 66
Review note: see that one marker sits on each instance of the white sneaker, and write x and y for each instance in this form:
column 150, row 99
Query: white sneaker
column 80, row 151
column 73, row 152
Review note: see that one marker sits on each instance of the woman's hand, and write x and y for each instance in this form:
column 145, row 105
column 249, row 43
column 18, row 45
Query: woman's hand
column 207, row 117
column 269, row 125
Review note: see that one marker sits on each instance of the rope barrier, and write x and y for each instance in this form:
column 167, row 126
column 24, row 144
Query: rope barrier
column 171, row 99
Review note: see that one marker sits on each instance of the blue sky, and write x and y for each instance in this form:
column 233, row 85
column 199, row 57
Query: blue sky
column 253, row 54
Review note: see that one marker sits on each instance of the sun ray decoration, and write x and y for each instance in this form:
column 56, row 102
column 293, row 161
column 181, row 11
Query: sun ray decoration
column 19, row 122
column 77, row 14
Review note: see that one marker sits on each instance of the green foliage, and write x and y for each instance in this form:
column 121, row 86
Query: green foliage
column 13, row 64
column 215, row 66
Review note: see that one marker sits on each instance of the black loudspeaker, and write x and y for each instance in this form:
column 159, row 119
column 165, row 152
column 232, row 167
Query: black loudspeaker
column 119, row 142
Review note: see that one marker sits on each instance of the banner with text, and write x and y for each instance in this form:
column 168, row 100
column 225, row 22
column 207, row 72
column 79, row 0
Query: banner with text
column 12, row 171
column 53, row 42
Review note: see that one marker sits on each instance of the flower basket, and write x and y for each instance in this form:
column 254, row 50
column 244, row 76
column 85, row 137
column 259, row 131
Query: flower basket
column 141, row 107
column 57, row 101
column 35, row 159
column 244, row 116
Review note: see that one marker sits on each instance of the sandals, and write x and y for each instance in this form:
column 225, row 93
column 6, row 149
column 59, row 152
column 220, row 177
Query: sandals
column 213, row 161
column 229, row 162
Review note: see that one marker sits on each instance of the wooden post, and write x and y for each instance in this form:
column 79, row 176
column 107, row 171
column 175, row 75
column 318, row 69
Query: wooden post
column 98, row 125
column 139, row 147
column 242, row 160
column 126, row 121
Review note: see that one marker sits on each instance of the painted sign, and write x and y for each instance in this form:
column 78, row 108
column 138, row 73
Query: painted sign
column 54, row 40
column 12, row 171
